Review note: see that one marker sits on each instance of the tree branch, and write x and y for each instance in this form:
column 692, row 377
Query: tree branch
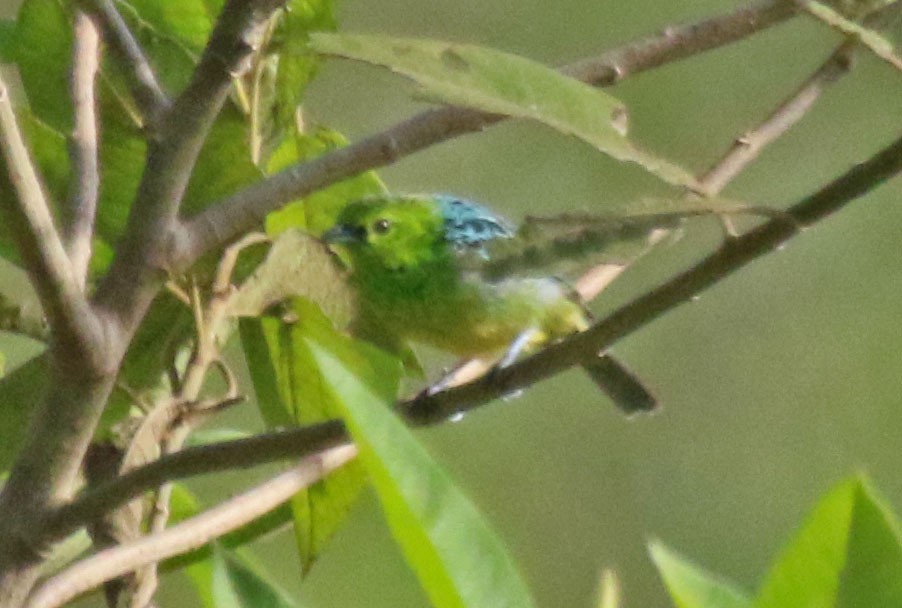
column 192, row 533
column 220, row 223
column 72, row 322
column 212, row 458
column 140, row 263
column 151, row 100
column 85, row 181
column 786, row 115
column 732, row 256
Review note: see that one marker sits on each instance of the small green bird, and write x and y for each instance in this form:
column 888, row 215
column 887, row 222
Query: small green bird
column 448, row 272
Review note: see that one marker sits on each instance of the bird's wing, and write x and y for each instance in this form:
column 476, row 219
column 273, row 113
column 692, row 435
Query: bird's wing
column 567, row 245
column 563, row 245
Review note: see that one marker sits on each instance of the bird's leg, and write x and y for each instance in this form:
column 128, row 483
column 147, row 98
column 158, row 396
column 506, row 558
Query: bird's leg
column 465, row 371
column 521, row 343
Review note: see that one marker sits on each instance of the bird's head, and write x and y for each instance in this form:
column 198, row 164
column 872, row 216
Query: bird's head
column 389, row 232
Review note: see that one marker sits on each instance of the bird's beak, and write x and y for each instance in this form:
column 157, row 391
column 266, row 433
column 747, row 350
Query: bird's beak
column 341, row 233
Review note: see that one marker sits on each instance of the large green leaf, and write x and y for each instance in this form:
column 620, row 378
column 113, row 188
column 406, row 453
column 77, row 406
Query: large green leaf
column 847, row 554
column 456, row 556
column 290, row 389
column 502, row 83
column 690, row 586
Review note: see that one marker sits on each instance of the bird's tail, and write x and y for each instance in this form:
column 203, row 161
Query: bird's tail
column 621, row 385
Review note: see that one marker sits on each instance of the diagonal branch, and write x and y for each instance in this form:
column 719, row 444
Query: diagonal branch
column 31, row 225
column 220, row 223
column 227, row 455
column 151, row 99
column 732, row 256
column 85, row 180
column 786, row 115
column 192, row 533
column 136, row 273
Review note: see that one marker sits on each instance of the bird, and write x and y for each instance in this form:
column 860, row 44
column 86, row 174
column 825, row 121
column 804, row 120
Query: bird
column 448, row 272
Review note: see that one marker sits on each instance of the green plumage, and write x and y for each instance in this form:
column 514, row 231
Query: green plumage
column 418, row 265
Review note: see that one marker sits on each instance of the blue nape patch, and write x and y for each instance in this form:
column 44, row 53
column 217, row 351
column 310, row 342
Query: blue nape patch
column 468, row 224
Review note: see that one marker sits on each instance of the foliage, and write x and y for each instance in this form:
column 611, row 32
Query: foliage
column 848, row 553
column 286, row 297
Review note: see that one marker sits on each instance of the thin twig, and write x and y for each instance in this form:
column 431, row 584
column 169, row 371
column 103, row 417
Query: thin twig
column 864, row 35
column 151, row 99
column 222, row 222
column 211, row 458
column 192, row 533
column 732, row 256
column 85, row 180
column 788, row 113
column 71, row 320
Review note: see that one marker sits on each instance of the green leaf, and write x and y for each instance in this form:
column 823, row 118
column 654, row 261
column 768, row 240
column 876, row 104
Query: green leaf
column 280, row 77
column 692, row 587
column 7, row 40
column 235, row 583
column 222, row 577
column 42, row 53
column 456, row 556
column 186, row 23
column 19, row 391
column 285, row 372
column 502, row 83
column 847, row 554
column 184, row 505
column 873, row 571
column 317, row 212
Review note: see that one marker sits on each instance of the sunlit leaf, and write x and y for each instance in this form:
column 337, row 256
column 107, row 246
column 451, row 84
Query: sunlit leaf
column 290, row 389
column 847, row 554
column 692, row 587
column 457, row 558
column 502, row 83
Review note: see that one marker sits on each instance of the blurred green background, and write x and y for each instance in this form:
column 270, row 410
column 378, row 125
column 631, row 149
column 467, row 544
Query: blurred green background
column 776, row 383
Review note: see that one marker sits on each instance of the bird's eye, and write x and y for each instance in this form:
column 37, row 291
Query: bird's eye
column 381, row 226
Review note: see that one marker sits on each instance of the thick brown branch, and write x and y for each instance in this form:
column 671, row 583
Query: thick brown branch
column 241, row 212
column 85, row 181
column 192, row 533
column 682, row 288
